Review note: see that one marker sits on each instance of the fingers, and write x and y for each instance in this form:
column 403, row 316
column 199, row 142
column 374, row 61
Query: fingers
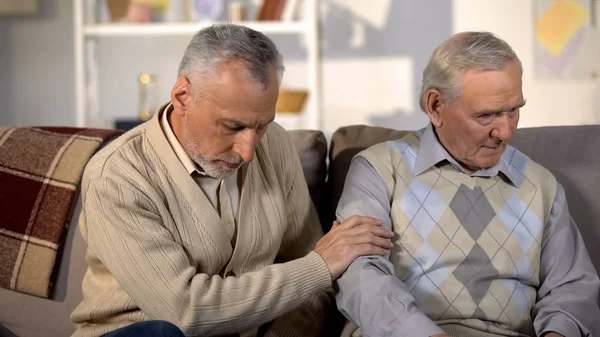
column 367, row 249
column 356, row 220
column 376, row 230
column 372, row 234
column 354, row 237
column 365, row 229
column 369, row 231
column 369, row 238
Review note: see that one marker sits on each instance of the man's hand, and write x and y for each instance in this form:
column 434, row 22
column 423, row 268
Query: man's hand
column 357, row 236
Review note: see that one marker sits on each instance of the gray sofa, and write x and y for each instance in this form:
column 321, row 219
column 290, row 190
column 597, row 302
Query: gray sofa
column 571, row 153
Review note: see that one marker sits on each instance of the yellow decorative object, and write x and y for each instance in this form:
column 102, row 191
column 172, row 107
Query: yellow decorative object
column 291, row 101
column 148, row 99
column 144, row 78
column 559, row 23
column 158, row 6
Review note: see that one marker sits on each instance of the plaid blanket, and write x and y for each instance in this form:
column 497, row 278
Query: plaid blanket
column 40, row 171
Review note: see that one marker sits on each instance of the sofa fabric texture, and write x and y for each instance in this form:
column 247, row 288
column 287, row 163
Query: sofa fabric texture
column 46, row 165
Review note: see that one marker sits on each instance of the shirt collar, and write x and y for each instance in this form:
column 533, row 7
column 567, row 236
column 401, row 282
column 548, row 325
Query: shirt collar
column 431, row 152
column 184, row 158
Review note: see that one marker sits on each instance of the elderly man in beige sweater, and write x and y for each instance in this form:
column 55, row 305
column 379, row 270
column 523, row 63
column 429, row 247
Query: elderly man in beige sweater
column 199, row 222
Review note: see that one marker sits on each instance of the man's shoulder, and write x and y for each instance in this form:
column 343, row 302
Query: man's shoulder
column 275, row 153
column 125, row 151
column 519, row 163
column 390, row 149
column 520, row 168
column 276, row 142
column 275, row 132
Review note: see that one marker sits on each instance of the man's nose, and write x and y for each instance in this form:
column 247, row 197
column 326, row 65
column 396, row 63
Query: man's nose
column 503, row 129
column 246, row 144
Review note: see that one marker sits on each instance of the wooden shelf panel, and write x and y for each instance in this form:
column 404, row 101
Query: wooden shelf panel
column 166, row 29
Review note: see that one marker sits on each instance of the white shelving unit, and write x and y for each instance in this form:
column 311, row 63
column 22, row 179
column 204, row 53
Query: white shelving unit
column 87, row 34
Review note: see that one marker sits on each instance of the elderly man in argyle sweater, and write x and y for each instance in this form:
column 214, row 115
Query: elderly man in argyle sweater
column 484, row 244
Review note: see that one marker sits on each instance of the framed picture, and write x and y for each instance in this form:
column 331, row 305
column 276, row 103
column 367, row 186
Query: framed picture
column 566, row 40
column 18, row 7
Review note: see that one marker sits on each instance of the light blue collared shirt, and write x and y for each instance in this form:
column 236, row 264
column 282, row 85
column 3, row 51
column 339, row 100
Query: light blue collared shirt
column 370, row 294
column 431, row 152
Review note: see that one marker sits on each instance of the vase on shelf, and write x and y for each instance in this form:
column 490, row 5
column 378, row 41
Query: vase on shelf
column 148, row 99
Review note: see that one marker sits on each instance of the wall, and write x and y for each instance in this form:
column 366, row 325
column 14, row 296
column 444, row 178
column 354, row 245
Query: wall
column 36, row 73
column 549, row 101
column 369, row 62
column 377, row 82
column 373, row 54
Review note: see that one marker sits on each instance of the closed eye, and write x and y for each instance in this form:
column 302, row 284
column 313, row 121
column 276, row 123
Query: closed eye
column 486, row 118
column 234, row 128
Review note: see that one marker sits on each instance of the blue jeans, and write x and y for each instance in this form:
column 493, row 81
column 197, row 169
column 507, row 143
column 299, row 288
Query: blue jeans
column 147, row 328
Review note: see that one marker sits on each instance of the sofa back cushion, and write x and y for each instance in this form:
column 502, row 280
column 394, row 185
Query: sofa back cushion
column 346, row 142
column 312, row 150
column 571, row 153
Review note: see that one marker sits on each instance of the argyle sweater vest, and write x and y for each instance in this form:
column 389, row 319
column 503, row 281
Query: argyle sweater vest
column 467, row 248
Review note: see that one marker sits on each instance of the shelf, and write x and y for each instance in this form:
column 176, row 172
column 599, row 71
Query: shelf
column 88, row 71
column 164, row 29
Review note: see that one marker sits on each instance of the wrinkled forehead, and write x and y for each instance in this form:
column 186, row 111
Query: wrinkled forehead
column 493, row 89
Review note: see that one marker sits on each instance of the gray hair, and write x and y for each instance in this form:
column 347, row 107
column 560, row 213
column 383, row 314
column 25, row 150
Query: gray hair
column 220, row 43
column 479, row 51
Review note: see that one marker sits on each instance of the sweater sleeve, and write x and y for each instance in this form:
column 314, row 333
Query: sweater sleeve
column 303, row 230
column 127, row 235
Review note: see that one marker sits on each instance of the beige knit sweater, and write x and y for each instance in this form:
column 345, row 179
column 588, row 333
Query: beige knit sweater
column 157, row 249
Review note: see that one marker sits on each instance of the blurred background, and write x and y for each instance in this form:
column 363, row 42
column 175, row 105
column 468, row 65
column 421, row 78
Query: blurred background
column 370, row 58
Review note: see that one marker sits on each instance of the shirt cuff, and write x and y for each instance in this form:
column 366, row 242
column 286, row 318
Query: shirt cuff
column 418, row 324
column 563, row 326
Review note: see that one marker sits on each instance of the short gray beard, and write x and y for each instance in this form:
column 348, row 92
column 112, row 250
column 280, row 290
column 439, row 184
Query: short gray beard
column 208, row 165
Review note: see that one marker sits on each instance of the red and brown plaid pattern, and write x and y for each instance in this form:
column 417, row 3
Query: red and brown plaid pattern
column 40, row 171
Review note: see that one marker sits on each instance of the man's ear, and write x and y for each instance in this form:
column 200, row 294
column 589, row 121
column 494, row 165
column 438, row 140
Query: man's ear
column 181, row 95
column 435, row 105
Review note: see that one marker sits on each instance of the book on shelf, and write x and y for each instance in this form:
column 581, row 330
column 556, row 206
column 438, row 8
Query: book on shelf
column 271, row 10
